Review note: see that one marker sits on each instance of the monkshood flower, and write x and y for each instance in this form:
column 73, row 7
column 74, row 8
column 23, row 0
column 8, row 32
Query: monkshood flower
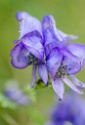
column 15, row 94
column 67, row 112
column 29, row 47
column 62, row 57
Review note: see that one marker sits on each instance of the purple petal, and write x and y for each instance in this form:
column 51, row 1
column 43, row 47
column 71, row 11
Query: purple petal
column 72, row 67
column 78, row 83
column 58, row 87
column 53, row 45
column 33, row 33
column 54, row 61
column 33, row 75
column 52, row 34
column 19, row 56
column 50, row 31
column 34, row 46
column 48, row 21
column 67, row 36
column 43, row 73
column 77, row 50
column 71, row 62
column 28, row 23
column 71, row 85
column 68, row 54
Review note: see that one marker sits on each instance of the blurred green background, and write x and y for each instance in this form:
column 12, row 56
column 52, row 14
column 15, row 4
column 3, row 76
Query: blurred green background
column 70, row 17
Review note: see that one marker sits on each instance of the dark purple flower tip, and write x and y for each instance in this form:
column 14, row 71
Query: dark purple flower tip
column 19, row 56
column 15, row 94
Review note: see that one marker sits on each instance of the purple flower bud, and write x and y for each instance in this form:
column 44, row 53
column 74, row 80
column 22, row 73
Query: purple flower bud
column 15, row 94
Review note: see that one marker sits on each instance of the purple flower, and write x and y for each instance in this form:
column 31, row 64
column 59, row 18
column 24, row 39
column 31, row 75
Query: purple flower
column 29, row 49
column 67, row 112
column 62, row 57
column 15, row 94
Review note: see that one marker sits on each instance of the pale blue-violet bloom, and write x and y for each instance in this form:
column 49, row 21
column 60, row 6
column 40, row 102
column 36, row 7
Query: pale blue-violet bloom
column 63, row 58
column 29, row 47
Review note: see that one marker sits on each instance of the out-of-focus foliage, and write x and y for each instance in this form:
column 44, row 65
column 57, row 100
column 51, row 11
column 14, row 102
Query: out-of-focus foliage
column 70, row 18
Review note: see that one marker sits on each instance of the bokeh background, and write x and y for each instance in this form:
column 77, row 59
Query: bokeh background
column 70, row 17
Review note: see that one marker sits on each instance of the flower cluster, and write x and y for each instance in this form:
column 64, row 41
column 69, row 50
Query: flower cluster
column 50, row 51
column 68, row 113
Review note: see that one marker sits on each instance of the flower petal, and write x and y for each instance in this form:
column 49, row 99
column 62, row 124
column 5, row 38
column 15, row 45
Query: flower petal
column 52, row 34
column 53, row 61
column 43, row 73
column 58, row 87
column 71, row 85
column 28, row 23
column 67, row 36
column 50, row 31
column 77, row 50
column 73, row 68
column 34, row 46
column 71, row 62
column 33, row 33
column 78, row 83
column 68, row 54
column 33, row 76
column 53, row 45
column 20, row 56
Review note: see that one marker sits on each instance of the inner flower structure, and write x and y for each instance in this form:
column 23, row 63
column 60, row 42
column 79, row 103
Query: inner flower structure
column 61, row 71
column 32, row 59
